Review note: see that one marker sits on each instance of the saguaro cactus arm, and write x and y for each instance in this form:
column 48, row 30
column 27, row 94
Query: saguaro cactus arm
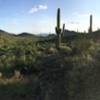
column 63, row 29
column 58, row 30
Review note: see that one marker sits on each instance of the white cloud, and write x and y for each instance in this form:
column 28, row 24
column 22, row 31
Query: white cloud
column 33, row 10
column 42, row 7
column 38, row 8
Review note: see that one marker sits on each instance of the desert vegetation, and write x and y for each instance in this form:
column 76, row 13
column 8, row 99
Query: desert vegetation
column 50, row 68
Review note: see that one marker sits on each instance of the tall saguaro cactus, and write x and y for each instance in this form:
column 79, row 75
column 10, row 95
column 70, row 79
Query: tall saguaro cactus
column 90, row 29
column 58, row 30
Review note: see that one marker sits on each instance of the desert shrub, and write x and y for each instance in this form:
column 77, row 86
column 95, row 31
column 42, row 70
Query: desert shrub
column 7, row 71
column 80, row 46
column 51, row 50
column 65, row 50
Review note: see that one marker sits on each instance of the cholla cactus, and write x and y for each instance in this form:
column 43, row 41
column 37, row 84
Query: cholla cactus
column 58, row 30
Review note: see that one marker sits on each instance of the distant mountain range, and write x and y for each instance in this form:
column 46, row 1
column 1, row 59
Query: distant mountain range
column 69, row 33
column 4, row 33
column 26, row 34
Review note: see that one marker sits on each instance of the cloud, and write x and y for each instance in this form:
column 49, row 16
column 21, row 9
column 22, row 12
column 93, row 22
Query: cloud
column 42, row 7
column 38, row 8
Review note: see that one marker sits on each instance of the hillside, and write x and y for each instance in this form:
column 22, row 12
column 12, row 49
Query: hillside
column 47, row 73
column 25, row 34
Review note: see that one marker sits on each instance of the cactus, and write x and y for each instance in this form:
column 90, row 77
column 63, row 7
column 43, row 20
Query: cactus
column 58, row 30
column 90, row 29
column 63, row 30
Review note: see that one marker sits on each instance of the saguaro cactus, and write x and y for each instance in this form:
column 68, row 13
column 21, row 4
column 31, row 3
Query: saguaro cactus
column 90, row 29
column 58, row 30
column 63, row 30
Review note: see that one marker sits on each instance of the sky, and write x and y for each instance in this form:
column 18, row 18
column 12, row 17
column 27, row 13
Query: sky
column 39, row 16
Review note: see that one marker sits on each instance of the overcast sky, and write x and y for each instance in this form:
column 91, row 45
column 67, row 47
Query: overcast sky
column 37, row 16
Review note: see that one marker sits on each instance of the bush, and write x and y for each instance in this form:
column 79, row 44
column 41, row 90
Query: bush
column 51, row 50
column 65, row 50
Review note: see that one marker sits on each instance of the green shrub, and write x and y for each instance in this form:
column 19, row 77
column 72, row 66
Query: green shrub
column 65, row 50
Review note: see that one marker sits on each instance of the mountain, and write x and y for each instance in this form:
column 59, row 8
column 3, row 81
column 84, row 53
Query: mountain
column 69, row 33
column 43, row 34
column 4, row 33
column 25, row 34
